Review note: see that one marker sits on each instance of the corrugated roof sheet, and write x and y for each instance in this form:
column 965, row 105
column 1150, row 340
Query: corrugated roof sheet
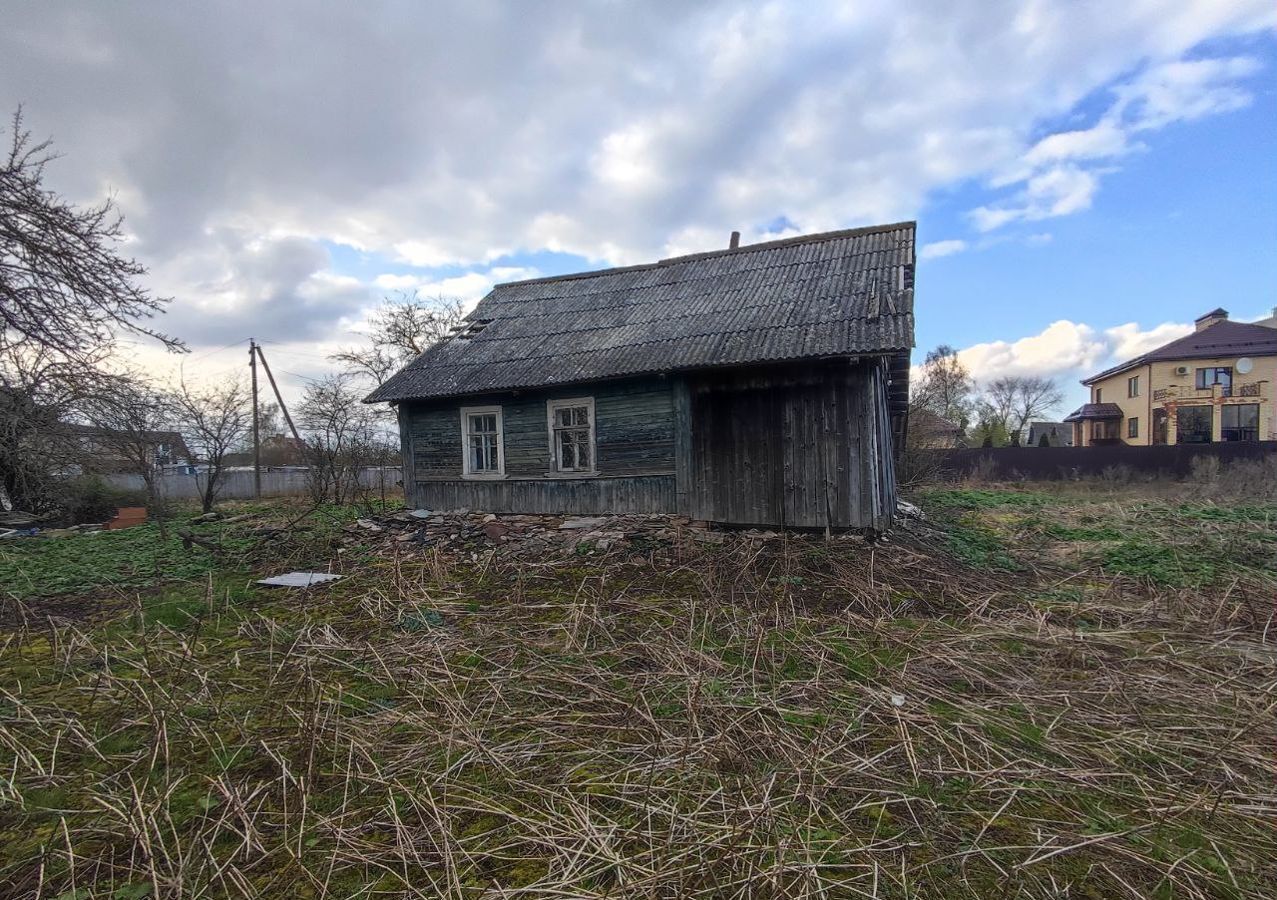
column 843, row 293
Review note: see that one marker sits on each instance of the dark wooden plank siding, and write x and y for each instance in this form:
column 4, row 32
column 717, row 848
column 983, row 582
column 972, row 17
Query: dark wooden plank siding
column 634, row 436
column 582, row 496
column 799, row 446
column 805, row 445
column 634, row 431
column 435, row 434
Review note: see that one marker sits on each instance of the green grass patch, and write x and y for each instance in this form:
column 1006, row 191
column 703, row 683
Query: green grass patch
column 129, row 558
column 979, row 546
column 974, row 498
column 1163, row 564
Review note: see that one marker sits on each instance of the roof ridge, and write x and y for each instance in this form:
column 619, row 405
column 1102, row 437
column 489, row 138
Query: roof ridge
column 1188, row 340
column 816, row 238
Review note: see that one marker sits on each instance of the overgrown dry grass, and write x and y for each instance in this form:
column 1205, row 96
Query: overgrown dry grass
column 989, row 708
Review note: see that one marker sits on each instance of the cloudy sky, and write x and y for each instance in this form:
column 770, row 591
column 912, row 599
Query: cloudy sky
column 1088, row 176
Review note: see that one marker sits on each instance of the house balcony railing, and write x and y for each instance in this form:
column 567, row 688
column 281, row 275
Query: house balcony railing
column 1256, row 389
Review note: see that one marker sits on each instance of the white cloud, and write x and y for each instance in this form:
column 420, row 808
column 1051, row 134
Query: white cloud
column 1104, row 139
column 1053, row 173
column 1128, row 341
column 1067, row 350
column 623, row 132
column 397, row 282
column 1061, row 347
column 941, row 248
column 1185, row 90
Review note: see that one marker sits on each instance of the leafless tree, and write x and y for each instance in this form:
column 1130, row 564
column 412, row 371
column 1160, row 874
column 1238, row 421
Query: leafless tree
column 342, row 435
column 131, row 417
column 404, row 327
column 41, row 394
column 1012, row 401
column 63, row 285
column 214, row 420
column 944, row 387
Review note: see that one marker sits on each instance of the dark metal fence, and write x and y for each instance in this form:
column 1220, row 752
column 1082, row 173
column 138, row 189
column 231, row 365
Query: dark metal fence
column 1052, row 463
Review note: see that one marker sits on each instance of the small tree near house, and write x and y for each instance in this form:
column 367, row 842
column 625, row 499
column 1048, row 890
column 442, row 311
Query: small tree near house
column 129, row 415
column 944, row 387
column 342, row 436
column 214, row 420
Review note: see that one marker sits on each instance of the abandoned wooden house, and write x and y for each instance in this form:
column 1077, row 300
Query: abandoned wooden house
column 763, row 384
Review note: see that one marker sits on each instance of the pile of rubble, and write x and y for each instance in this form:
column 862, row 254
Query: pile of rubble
column 533, row 535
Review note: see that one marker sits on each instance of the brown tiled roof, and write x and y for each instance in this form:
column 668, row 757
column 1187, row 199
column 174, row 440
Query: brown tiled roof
column 842, row 293
column 1095, row 411
column 1221, row 339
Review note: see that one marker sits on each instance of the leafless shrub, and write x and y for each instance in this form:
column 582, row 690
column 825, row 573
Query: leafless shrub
column 214, row 419
column 918, row 468
column 342, row 436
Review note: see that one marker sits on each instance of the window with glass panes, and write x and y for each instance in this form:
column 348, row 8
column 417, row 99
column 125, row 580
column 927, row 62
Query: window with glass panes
column 482, row 441
column 572, row 435
column 1239, row 422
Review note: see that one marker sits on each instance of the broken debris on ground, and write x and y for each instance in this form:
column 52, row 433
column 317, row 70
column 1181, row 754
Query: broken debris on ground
column 544, row 536
column 298, row 579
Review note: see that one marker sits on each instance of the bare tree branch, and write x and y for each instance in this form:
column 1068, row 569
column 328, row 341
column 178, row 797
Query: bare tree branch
column 404, row 327
column 63, row 284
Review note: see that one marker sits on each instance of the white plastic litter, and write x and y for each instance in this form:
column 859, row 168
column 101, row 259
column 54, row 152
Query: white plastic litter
column 298, row 579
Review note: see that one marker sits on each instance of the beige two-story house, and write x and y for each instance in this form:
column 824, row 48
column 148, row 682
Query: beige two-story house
column 1213, row 385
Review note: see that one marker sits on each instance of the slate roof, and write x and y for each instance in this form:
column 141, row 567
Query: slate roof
column 842, row 293
column 1095, row 411
column 1224, row 338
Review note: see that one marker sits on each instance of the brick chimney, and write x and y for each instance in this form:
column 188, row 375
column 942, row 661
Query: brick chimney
column 734, row 241
column 1215, row 315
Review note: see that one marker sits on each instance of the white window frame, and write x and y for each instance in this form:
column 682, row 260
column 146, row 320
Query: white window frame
column 466, row 413
column 553, row 406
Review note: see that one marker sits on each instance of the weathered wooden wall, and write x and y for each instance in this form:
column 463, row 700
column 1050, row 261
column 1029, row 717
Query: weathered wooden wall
column 634, row 436
column 586, row 496
column 802, row 446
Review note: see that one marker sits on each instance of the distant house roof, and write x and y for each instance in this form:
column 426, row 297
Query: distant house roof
column 842, row 293
column 1224, row 338
column 1095, row 411
column 1062, row 431
column 923, row 420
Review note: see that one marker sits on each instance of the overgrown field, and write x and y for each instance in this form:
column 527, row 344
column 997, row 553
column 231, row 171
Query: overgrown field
column 1034, row 694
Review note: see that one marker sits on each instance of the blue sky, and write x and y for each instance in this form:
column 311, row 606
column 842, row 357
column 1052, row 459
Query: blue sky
column 1087, row 177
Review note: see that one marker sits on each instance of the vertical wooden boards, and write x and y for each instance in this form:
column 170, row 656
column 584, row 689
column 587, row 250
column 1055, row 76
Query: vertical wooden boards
column 405, row 454
column 803, row 446
column 684, row 479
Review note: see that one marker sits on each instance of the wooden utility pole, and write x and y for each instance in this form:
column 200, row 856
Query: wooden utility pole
column 257, row 444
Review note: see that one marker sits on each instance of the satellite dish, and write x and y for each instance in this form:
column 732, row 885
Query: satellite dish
column 1244, row 365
